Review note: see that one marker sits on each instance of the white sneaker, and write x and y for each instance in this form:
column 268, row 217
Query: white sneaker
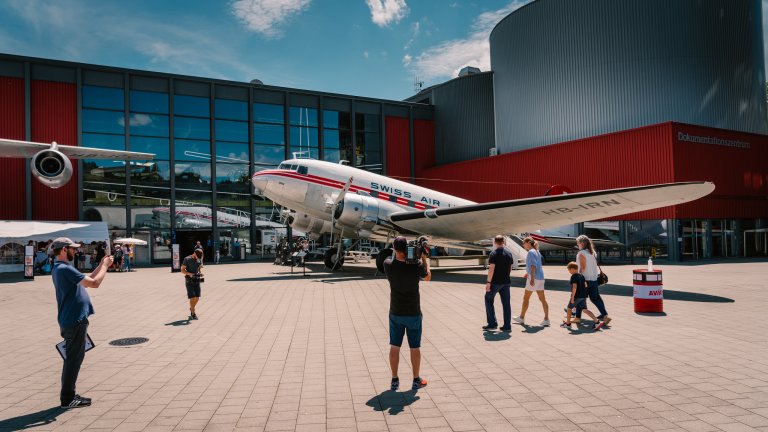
column 545, row 323
column 518, row 320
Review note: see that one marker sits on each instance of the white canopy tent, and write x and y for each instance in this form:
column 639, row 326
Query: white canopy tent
column 24, row 231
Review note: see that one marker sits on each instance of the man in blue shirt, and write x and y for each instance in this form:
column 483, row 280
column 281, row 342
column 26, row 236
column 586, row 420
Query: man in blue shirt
column 74, row 309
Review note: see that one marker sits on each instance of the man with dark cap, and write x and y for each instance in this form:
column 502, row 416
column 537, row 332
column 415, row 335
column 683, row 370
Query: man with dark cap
column 74, row 309
column 404, row 308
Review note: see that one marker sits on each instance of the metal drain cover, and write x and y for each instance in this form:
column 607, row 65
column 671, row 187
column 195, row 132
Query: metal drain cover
column 128, row 341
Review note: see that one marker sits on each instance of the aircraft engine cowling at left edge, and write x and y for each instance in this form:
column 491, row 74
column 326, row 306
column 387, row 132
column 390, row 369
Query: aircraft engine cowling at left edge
column 51, row 168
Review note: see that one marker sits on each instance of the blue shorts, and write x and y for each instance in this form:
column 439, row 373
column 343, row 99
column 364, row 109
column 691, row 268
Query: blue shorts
column 580, row 304
column 399, row 325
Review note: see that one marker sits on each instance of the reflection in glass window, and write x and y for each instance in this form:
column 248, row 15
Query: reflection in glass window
column 157, row 215
column 186, row 201
column 268, row 113
column 103, row 121
column 305, row 152
column 268, row 155
column 151, row 195
column 191, row 150
column 368, row 122
column 194, row 128
column 191, row 106
column 231, row 131
column 232, row 185
column 369, row 141
column 159, row 146
column 231, row 109
column 231, row 153
column 337, row 138
column 104, row 171
column 151, row 173
column 303, row 116
column 103, row 97
column 336, row 119
column 331, row 154
column 149, row 102
column 304, row 137
column 193, row 175
column 108, row 142
column 149, row 125
column 268, row 134
column 113, row 216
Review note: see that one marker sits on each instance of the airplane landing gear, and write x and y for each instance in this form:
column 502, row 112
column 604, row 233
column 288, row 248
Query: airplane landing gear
column 383, row 255
column 333, row 260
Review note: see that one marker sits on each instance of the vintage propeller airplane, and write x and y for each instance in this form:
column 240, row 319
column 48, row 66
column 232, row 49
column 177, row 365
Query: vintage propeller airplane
column 325, row 197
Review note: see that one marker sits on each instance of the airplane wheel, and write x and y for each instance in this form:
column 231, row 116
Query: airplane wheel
column 383, row 255
column 330, row 259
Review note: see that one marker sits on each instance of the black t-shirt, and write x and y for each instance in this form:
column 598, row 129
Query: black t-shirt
column 404, row 286
column 502, row 260
column 581, row 285
column 192, row 265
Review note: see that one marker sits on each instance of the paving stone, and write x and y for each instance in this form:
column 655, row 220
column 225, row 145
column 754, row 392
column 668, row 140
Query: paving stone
column 278, row 352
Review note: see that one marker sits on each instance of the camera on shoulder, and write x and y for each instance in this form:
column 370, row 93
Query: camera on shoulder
column 416, row 249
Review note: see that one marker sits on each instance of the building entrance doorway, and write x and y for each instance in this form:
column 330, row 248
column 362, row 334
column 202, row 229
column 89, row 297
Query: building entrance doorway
column 187, row 240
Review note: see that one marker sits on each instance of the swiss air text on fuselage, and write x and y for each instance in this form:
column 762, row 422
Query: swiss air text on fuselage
column 403, row 193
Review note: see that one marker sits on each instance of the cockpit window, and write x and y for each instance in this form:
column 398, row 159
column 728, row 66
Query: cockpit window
column 282, row 166
column 303, row 170
column 293, row 167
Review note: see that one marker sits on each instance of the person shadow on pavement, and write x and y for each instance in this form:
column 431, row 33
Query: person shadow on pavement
column 178, row 323
column 392, row 401
column 495, row 337
column 28, row 421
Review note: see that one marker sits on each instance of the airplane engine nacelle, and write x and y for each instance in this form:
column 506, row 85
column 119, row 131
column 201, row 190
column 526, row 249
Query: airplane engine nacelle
column 357, row 212
column 51, row 168
column 311, row 225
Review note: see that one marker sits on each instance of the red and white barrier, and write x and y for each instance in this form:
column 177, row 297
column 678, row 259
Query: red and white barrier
column 649, row 291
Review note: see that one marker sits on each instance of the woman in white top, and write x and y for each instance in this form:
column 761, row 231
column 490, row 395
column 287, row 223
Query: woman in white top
column 534, row 281
column 587, row 261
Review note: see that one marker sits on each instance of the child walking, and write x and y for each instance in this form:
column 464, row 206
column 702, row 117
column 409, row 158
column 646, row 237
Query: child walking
column 578, row 298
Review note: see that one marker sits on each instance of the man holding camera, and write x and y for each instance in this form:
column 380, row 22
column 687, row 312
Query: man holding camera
column 74, row 309
column 191, row 268
column 410, row 263
column 499, row 265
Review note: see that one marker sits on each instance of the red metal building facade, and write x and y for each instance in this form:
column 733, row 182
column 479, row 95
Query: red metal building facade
column 670, row 152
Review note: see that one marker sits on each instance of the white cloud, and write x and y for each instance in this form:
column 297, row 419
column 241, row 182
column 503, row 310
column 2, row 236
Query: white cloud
column 365, row 54
column 445, row 60
column 385, row 12
column 407, row 60
column 266, row 16
column 136, row 120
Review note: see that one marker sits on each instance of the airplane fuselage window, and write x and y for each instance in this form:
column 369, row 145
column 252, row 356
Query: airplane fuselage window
column 293, row 167
column 303, row 170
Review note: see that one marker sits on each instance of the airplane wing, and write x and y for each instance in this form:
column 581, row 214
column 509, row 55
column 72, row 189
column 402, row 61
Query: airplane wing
column 561, row 242
column 27, row 149
column 481, row 221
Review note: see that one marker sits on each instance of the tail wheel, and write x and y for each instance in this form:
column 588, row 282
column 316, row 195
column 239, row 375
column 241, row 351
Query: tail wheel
column 383, row 255
column 330, row 259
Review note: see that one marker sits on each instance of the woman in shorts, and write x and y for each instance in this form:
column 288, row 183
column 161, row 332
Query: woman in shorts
column 534, row 281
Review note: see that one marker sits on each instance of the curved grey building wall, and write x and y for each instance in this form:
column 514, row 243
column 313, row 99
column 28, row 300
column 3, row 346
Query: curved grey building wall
column 463, row 117
column 568, row 69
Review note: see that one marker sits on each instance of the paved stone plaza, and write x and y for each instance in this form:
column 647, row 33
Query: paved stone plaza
column 274, row 351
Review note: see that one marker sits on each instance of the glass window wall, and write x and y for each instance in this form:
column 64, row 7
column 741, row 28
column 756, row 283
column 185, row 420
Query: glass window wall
column 191, row 128
column 149, row 125
column 268, row 113
column 302, row 116
column 103, row 97
column 148, row 102
column 193, row 175
column 231, row 109
column 100, row 141
column 100, row 121
column 231, row 131
column 192, row 106
column 192, row 150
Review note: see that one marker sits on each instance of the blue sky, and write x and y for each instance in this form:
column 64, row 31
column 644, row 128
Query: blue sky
column 370, row 48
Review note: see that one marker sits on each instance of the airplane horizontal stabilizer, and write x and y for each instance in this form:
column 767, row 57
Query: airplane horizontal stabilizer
column 482, row 221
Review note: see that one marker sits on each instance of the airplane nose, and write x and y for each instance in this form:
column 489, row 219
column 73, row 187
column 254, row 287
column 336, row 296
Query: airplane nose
column 259, row 184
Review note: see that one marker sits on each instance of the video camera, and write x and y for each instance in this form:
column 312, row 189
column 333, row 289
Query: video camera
column 198, row 278
column 416, row 249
